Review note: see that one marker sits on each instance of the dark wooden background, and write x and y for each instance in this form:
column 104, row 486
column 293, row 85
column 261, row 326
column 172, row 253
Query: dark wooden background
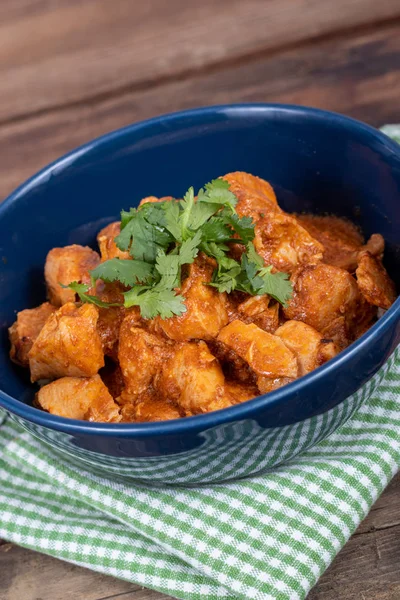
column 74, row 69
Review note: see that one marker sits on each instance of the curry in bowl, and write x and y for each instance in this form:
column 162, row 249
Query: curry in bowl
column 197, row 304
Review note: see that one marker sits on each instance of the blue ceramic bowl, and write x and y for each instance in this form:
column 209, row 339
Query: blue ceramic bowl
column 318, row 162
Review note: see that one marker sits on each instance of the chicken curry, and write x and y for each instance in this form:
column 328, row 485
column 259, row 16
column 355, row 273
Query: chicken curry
column 197, row 304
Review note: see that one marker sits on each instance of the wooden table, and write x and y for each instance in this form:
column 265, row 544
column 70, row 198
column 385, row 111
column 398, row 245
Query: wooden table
column 74, row 69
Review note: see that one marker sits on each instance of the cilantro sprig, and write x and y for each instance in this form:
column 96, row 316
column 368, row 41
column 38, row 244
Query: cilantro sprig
column 162, row 237
column 251, row 277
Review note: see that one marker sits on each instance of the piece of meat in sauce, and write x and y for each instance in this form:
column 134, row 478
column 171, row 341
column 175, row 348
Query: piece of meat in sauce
column 279, row 238
column 283, row 243
column 65, row 265
column 328, row 299
column 374, row 282
column 68, row 344
column 85, row 398
column 341, row 239
column 256, row 196
column 259, row 310
column 26, row 329
column 310, row 348
column 237, row 392
column 150, row 407
column 192, row 378
column 206, row 308
column 106, row 241
column 141, row 355
column 273, row 363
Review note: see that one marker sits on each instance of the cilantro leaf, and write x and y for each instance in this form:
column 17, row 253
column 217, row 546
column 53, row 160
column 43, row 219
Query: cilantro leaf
column 253, row 256
column 200, row 213
column 249, row 276
column 172, row 224
column 218, row 192
column 168, row 266
column 226, row 281
column 242, row 226
column 142, row 238
column 126, row 216
column 190, row 249
column 186, row 205
column 81, row 289
column 155, row 302
column 216, row 229
column 155, row 212
column 128, row 272
column 250, row 269
column 277, row 285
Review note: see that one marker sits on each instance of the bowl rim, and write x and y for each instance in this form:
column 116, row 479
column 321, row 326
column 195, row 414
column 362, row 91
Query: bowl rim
column 251, row 407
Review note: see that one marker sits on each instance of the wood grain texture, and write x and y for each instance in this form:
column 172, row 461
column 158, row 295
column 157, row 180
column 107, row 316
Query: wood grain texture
column 368, row 568
column 356, row 75
column 62, row 51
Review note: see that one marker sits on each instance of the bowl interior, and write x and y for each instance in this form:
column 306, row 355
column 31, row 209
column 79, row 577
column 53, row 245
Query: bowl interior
column 316, row 161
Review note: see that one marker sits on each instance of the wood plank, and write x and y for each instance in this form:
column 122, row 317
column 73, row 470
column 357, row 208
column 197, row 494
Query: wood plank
column 357, row 75
column 62, row 51
column 23, row 573
column 368, row 567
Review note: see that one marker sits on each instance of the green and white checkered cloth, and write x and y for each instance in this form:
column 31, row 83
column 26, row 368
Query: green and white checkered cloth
column 270, row 537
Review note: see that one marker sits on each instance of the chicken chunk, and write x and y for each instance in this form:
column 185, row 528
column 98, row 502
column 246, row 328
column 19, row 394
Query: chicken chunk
column 256, row 196
column 374, row 282
column 64, row 265
column 341, row 239
column 206, row 309
column 327, row 298
column 273, row 363
column 233, row 366
column 85, row 398
column 375, row 245
column 25, row 330
column 150, row 408
column 68, row 344
column 309, row 347
column 238, row 392
column 283, row 243
column 106, row 240
column 260, row 311
column 193, row 379
column 141, row 355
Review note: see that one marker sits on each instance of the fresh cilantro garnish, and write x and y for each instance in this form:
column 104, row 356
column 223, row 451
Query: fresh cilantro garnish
column 161, row 237
column 127, row 272
column 82, row 288
column 277, row 285
column 154, row 302
column 218, row 192
column 142, row 234
column 251, row 277
column 161, row 299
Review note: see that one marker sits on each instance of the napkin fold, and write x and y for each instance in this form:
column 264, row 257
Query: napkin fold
column 268, row 537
